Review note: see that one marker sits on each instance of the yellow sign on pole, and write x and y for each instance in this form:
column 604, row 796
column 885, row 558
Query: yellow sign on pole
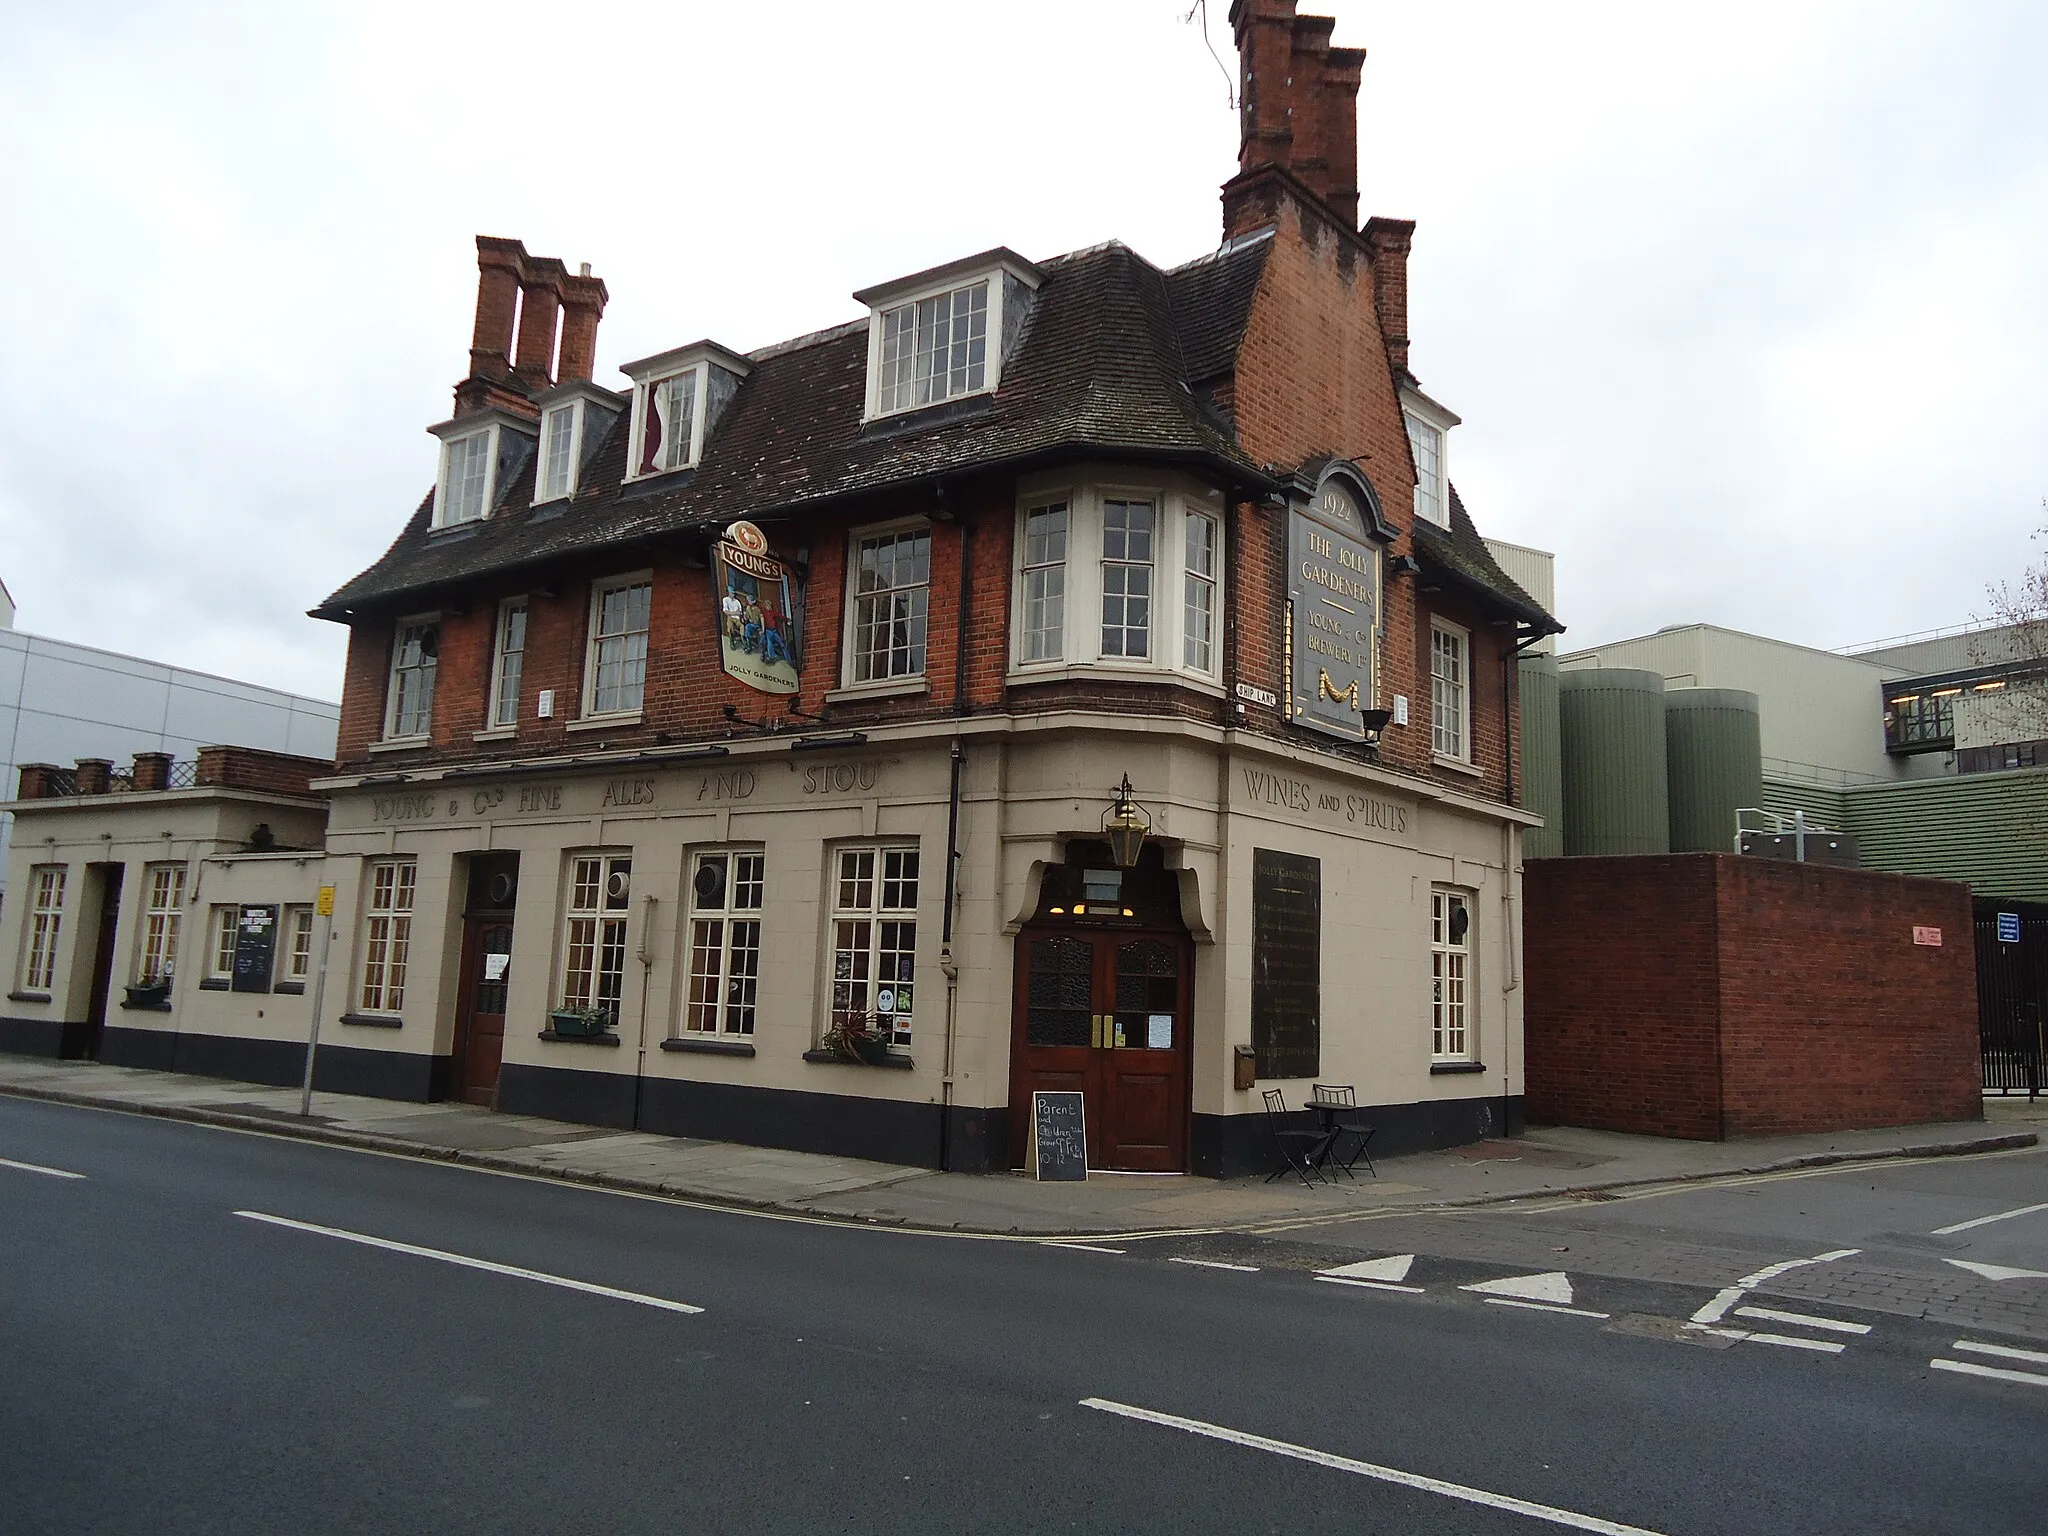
column 326, row 904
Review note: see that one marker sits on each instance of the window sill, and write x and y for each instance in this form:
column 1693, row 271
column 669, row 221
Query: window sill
column 374, row 1020
column 623, row 719
column 28, row 997
column 496, row 733
column 1459, row 765
column 164, row 1007
column 888, row 688
column 402, row 744
column 611, row 1040
column 1455, row 1068
column 832, row 1059
column 1113, row 672
column 710, row 1047
column 215, row 984
column 290, row 988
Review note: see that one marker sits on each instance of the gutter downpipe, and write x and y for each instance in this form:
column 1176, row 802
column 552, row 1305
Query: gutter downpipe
column 947, row 966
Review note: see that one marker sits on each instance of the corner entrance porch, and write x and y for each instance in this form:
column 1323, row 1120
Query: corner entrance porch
column 1104, row 980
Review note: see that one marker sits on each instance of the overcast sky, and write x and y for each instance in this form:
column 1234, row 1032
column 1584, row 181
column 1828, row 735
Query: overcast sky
column 1743, row 305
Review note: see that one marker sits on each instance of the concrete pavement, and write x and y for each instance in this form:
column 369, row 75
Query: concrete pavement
column 1546, row 1161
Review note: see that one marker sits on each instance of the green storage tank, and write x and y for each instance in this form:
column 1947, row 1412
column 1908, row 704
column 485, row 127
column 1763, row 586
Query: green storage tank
column 1542, row 761
column 1715, row 761
column 1616, row 786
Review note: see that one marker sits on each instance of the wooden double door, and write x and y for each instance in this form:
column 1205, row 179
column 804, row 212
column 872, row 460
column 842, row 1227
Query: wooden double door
column 1106, row 1012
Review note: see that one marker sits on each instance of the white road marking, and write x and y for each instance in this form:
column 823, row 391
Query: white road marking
column 1998, row 1271
column 55, row 1173
column 1786, row 1341
column 2002, row 1351
column 1717, row 1309
column 1967, row 1368
column 1084, row 1248
column 1541, row 1306
column 468, row 1263
column 1369, row 1285
column 1394, row 1267
column 1242, row 1269
column 1394, row 1475
column 1802, row 1319
column 1985, row 1221
column 1555, row 1287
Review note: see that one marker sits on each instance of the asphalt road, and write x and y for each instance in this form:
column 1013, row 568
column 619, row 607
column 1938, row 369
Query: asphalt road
column 169, row 1365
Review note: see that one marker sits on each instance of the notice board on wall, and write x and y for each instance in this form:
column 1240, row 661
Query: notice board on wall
column 255, row 948
column 1287, row 963
column 1059, row 1135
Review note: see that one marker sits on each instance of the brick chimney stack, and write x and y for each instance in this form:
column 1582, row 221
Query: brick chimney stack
column 583, row 301
column 1300, row 101
column 1388, row 240
column 540, row 304
column 500, row 264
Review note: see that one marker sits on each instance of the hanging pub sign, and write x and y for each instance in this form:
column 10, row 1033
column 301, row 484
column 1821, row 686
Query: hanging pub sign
column 1333, row 597
column 759, row 615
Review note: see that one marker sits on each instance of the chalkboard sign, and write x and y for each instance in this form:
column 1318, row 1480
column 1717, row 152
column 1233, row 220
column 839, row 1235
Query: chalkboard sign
column 1059, row 1136
column 1287, row 963
column 255, row 948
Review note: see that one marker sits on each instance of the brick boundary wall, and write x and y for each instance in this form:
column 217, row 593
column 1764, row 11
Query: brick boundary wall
column 1710, row 996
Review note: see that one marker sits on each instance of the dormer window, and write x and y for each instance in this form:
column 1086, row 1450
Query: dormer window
column 677, row 397
column 944, row 334
column 934, row 349
column 1428, row 425
column 574, row 419
column 558, row 452
column 480, row 455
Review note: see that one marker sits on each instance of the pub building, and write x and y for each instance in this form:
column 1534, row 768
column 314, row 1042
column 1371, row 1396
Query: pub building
column 1067, row 674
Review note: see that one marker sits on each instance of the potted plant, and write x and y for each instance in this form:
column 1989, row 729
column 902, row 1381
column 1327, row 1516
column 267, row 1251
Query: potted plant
column 859, row 1036
column 152, row 991
column 570, row 1020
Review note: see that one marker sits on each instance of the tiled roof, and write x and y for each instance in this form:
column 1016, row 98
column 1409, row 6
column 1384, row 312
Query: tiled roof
column 1461, row 554
column 1104, row 365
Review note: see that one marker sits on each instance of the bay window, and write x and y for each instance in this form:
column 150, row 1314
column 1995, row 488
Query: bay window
column 1122, row 578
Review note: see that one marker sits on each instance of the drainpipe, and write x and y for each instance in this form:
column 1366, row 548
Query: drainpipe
column 1509, row 932
column 645, row 955
column 947, row 965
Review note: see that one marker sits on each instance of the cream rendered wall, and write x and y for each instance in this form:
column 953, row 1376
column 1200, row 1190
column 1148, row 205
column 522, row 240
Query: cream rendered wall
column 1818, row 709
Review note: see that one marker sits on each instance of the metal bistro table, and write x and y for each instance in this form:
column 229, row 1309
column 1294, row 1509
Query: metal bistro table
column 1331, row 1129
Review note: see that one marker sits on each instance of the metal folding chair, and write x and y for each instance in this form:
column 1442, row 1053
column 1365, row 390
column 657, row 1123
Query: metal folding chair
column 1341, row 1126
column 1303, row 1150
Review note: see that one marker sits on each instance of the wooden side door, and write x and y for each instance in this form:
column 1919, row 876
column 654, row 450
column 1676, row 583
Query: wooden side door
column 480, row 1009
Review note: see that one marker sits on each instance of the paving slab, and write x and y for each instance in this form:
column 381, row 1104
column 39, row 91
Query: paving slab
column 1546, row 1161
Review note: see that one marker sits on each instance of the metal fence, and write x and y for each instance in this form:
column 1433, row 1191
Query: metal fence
column 2012, row 986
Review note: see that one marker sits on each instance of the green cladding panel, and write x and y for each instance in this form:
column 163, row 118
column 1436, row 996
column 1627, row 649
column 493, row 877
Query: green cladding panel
column 1542, row 764
column 1715, row 762
column 1616, row 783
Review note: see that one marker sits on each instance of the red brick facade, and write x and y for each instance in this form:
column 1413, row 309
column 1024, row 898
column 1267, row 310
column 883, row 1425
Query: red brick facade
column 1711, row 996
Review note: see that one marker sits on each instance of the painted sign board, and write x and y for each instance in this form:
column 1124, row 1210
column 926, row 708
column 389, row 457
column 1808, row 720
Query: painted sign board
column 2008, row 927
column 1059, row 1136
column 255, row 949
column 759, row 619
column 1333, row 596
column 1930, row 937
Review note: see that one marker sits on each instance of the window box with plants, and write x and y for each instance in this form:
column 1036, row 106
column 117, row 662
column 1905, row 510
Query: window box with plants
column 582, row 1022
column 861, row 1037
column 149, row 992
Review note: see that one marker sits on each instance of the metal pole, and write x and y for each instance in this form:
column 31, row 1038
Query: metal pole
column 313, row 1035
